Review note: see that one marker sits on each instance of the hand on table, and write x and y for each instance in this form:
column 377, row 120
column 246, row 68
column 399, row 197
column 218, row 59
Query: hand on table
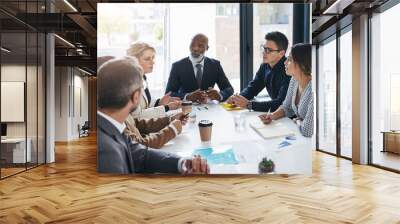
column 165, row 99
column 195, row 165
column 198, row 96
column 181, row 117
column 238, row 100
column 297, row 120
column 178, row 125
column 175, row 105
column 213, row 94
column 174, row 99
column 230, row 99
column 266, row 118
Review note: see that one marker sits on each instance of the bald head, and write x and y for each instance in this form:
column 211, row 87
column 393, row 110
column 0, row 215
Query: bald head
column 117, row 80
column 199, row 45
column 200, row 37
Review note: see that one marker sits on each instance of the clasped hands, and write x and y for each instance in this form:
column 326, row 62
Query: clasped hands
column 201, row 96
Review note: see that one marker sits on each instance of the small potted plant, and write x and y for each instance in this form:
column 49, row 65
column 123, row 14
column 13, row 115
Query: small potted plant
column 266, row 166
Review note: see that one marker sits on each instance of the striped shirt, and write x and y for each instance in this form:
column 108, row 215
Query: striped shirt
column 304, row 110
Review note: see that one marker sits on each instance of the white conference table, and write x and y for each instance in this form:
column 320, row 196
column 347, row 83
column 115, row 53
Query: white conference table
column 248, row 146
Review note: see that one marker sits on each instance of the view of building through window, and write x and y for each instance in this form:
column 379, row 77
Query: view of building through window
column 268, row 18
column 346, row 94
column 385, row 83
column 327, row 96
column 162, row 26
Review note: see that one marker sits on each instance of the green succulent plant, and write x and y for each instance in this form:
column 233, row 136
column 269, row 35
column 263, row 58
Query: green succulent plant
column 266, row 165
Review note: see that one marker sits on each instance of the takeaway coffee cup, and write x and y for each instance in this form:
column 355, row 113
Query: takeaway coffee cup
column 187, row 107
column 205, row 129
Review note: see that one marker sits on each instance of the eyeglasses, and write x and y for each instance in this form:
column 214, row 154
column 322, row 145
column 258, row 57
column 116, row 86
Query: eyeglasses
column 267, row 50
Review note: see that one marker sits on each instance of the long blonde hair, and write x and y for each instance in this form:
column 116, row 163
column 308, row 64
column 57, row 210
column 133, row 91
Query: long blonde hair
column 137, row 49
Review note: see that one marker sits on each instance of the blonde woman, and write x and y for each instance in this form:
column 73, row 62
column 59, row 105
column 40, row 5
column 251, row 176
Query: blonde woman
column 149, row 123
column 149, row 107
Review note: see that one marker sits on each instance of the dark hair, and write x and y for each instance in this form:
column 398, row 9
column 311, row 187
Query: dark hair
column 301, row 54
column 279, row 38
column 117, row 80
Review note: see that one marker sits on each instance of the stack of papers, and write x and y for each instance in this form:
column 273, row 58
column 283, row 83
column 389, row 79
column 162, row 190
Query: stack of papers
column 272, row 130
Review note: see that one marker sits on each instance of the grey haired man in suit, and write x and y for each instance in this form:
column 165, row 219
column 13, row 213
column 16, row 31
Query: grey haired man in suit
column 119, row 85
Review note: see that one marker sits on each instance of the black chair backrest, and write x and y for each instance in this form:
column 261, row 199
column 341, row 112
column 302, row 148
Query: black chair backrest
column 86, row 125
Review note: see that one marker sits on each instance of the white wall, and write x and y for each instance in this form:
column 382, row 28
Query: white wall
column 33, row 126
column 61, row 103
column 69, row 85
column 16, row 73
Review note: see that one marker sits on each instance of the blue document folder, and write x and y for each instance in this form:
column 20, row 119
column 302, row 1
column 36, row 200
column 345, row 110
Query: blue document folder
column 225, row 156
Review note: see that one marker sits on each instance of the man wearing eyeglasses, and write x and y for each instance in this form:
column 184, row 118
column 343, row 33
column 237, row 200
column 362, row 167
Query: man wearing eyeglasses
column 193, row 78
column 271, row 75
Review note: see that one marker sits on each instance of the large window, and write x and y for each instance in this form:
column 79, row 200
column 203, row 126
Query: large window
column 268, row 18
column 385, row 85
column 327, row 96
column 335, row 74
column 165, row 27
column 346, row 94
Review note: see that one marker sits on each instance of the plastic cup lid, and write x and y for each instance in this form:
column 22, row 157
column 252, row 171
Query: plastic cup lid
column 205, row 123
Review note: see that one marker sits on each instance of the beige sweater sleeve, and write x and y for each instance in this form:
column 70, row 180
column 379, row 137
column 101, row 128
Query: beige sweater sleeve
column 154, row 133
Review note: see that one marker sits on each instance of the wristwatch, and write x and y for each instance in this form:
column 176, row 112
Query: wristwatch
column 166, row 108
column 250, row 105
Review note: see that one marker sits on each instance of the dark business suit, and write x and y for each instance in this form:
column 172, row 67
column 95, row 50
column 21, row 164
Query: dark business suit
column 182, row 79
column 274, row 80
column 116, row 153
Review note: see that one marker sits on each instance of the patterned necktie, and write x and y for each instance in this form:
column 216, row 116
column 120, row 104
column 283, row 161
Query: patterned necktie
column 199, row 74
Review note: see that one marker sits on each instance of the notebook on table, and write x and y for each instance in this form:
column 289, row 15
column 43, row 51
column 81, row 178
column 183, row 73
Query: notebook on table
column 272, row 130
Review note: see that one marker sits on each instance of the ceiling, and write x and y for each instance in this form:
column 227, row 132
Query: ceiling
column 76, row 21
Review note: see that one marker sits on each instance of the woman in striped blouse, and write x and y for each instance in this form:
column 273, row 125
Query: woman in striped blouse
column 298, row 103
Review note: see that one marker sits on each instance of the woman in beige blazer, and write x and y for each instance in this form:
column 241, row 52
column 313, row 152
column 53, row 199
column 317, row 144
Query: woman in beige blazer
column 149, row 107
column 150, row 124
column 155, row 132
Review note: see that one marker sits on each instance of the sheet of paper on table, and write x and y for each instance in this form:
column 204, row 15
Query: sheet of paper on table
column 272, row 130
column 222, row 154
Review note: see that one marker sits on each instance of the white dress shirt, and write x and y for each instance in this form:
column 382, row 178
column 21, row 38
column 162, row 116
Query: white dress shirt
column 195, row 62
column 119, row 126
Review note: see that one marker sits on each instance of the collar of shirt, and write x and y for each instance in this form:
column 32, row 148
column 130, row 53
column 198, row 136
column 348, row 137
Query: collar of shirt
column 279, row 65
column 194, row 63
column 119, row 126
